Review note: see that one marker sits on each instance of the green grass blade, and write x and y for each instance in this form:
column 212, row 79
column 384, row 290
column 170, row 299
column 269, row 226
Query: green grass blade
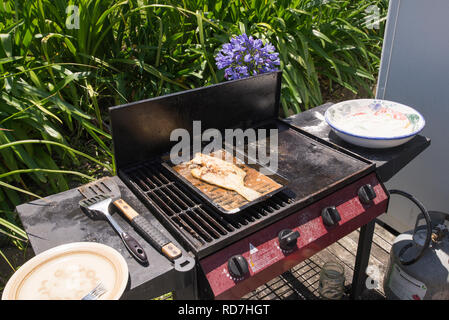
column 46, row 171
column 7, row 185
column 13, row 228
column 7, row 261
column 12, row 144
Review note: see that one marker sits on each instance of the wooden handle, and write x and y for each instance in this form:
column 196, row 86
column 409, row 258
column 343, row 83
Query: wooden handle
column 171, row 251
column 148, row 231
column 129, row 212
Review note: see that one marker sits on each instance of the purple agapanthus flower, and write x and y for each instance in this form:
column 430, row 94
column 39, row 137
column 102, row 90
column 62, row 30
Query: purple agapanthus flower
column 245, row 56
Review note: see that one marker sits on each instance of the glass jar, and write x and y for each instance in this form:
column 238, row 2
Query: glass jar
column 332, row 281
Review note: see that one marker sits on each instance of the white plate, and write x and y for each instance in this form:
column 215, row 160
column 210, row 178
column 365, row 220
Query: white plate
column 68, row 272
column 373, row 123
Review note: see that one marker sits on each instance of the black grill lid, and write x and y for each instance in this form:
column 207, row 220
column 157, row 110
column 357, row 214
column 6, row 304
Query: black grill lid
column 141, row 130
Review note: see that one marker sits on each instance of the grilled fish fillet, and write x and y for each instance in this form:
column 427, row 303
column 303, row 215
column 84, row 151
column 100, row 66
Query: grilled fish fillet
column 223, row 174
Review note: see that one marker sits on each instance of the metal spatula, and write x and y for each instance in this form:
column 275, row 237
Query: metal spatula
column 144, row 227
column 97, row 208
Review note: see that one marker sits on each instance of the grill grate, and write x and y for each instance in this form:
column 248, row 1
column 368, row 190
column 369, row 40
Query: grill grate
column 199, row 225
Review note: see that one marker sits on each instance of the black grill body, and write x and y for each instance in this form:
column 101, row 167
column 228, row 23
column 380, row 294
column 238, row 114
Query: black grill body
column 141, row 136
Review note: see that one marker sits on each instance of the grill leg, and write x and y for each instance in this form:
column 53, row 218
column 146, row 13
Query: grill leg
column 187, row 288
column 362, row 259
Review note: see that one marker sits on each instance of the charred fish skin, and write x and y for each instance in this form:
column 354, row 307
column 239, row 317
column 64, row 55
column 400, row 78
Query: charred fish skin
column 222, row 174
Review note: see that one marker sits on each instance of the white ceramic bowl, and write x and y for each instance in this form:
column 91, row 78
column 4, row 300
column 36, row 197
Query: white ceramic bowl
column 373, row 123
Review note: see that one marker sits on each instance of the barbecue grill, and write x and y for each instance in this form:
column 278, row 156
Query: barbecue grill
column 331, row 191
column 237, row 253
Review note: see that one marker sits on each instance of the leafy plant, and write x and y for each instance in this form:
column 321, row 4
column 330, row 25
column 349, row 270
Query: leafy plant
column 57, row 82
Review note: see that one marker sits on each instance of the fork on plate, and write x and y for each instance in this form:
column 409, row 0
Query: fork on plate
column 95, row 293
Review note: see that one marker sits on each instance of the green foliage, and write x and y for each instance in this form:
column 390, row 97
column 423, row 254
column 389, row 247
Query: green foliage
column 57, row 83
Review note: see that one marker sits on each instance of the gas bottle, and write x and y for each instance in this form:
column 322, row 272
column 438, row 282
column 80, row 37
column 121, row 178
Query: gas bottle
column 418, row 267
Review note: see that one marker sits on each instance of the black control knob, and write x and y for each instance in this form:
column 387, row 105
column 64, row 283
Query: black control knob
column 287, row 239
column 238, row 266
column 366, row 194
column 330, row 216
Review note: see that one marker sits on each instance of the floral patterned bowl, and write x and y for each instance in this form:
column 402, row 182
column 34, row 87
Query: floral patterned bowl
column 372, row 123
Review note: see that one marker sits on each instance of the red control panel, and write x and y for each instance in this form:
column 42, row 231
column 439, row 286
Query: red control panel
column 250, row 262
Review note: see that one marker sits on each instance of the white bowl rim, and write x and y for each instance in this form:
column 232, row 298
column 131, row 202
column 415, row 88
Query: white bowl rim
column 326, row 117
